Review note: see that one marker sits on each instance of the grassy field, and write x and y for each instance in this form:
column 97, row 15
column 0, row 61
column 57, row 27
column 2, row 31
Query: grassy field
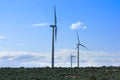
column 87, row 73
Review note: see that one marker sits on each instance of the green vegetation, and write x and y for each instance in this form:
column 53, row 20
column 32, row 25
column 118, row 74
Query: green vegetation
column 88, row 73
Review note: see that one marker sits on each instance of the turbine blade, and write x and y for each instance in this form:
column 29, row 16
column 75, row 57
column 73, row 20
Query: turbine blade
column 55, row 33
column 78, row 37
column 55, row 18
column 83, row 46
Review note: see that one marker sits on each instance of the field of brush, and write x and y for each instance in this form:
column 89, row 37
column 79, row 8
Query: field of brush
column 87, row 73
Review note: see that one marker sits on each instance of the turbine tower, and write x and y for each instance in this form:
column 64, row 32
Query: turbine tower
column 71, row 58
column 78, row 45
column 54, row 34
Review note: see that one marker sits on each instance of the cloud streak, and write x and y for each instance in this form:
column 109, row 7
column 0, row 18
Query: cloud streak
column 78, row 25
column 2, row 37
column 41, row 24
column 62, row 58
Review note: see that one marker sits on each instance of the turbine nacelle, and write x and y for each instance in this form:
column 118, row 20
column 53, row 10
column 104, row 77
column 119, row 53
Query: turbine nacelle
column 81, row 45
column 73, row 56
column 52, row 26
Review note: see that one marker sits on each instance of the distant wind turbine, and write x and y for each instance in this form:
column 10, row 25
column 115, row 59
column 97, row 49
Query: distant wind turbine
column 54, row 34
column 71, row 59
column 78, row 45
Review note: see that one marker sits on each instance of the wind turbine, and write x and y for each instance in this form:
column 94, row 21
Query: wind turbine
column 71, row 58
column 78, row 45
column 54, row 34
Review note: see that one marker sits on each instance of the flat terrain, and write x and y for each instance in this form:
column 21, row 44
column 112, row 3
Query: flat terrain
column 87, row 73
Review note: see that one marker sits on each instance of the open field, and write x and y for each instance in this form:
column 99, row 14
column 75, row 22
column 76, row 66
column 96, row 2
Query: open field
column 88, row 73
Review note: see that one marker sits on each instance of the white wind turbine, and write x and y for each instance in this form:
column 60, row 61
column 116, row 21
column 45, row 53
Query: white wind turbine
column 54, row 34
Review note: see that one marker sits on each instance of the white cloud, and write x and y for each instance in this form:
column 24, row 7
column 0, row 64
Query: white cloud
column 21, row 44
column 85, row 27
column 41, row 24
column 2, row 37
column 62, row 58
column 78, row 25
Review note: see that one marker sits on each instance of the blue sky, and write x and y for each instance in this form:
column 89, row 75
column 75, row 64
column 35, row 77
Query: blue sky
column 25, row 35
